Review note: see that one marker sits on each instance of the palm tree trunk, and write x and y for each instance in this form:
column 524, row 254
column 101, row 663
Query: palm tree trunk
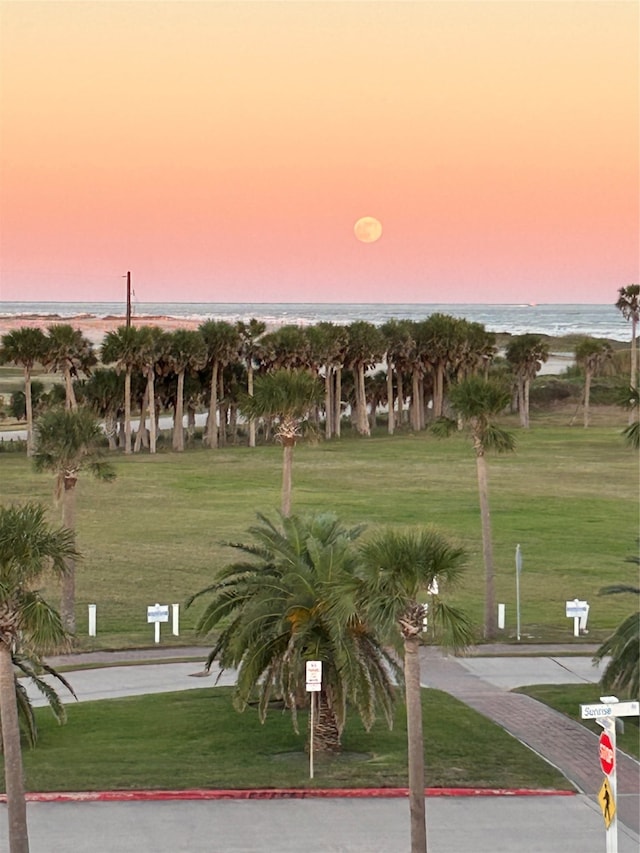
column 415, row 744
column 13, row 774
column 127, row 412
column 68, row 583
column 328, row 402
column 338, row 403
column 212, row 422
column 438, row 391
column 252, row 421
column 587, row 397
column 363, row 420
column 525, row 402
column 70, row 397
column 142, row 428
column 326, row 734
column 490, row 618
column 287, row 466
column 391, row 424
column 633, row 412
column 178, row 429
column 29, row 409
column 153, row 426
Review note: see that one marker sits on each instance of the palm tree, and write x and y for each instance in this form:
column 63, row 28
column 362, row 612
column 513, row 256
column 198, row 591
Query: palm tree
column 24, row 347
column 478, row 402
column 222, row 341
column 187, row 353
column 28, row 548
column 526, row 355
column 591, row 354
column 153, row 344
column 67, row 350
column 630, row 399
column 287, row 396
column 276, row 608
column 104, row 395
column 398, row 569
column 68, row 442
column 623, row 647
column 365, row 349
column 250, row 347
column 629, row 305
column 122, row 347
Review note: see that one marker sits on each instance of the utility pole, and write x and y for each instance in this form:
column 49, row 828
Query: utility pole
column 128, row 299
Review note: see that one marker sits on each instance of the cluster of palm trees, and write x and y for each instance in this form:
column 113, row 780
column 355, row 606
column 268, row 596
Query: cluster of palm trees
column 306, row 588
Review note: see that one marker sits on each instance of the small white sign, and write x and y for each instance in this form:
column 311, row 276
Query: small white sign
column 615, row 709
column 313, row 687
column 576, row 608
column 158, row 613
column 313, row 672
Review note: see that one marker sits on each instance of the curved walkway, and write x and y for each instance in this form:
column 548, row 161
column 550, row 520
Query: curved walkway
column 566, row 744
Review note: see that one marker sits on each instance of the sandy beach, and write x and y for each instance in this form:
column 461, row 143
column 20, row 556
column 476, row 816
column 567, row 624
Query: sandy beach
column 95, row 328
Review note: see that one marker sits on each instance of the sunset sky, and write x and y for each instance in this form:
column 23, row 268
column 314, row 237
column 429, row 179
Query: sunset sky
column 222, row 151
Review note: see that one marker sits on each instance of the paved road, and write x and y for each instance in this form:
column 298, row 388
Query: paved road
column 456, row 825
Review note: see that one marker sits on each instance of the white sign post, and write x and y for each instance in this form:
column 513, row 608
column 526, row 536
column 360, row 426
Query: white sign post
column 92, row 620
column 518, row 570
column 175, row 625
column 604, row 714
column 158, row 613
column 579, row 612
column 313, row 678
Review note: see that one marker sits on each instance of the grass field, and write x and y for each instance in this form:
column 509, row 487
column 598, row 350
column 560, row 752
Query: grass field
column 568, row 496
column 196, row 739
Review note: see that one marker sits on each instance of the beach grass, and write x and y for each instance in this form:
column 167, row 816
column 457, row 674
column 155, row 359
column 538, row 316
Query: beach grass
column 196, row 739
column 568, row 496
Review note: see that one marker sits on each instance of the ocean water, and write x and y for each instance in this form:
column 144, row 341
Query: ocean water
column 601, row 321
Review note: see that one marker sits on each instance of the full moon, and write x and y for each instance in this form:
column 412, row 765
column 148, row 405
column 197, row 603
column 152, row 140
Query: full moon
column 368, row 229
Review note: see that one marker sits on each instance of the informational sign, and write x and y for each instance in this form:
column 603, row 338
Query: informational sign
column 606, row 754
column 158, row 613
column 313, row 676
column 607, row 803
column 609, row 709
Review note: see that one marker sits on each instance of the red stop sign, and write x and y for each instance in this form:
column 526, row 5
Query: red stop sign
column 607, row 756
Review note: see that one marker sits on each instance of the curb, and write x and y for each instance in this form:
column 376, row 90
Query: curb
column 277, row 794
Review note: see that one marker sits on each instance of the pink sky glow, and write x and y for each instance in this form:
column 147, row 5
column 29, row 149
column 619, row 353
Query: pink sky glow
column 222, row 151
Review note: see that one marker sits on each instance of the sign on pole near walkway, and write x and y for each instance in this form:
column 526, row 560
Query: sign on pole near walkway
column 156, row 614
column 604, row 714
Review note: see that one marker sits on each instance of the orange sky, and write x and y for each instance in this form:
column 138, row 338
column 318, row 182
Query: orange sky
column 222, row 151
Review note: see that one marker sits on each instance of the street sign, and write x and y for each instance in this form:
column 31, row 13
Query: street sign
column 607, row 803
column 606, row 753
column 612, row 709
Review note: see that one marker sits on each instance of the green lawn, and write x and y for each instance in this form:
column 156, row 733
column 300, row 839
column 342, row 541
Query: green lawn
column 196, row 739
column 568, row 495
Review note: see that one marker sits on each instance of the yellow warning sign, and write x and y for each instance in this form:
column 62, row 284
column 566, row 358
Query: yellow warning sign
column 607, row 804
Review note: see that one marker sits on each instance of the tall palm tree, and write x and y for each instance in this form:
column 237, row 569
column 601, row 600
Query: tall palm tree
column 591, row 354
column 286, row 396
column 365, row 349
column 478, row 402
column 222, row 341
column 526, row 355
column 250, row 348
column 24, row 347
column 187, row 354
column 629, row 305
column 122, row 348
column 153, row 344
column 28, row 548
column 398, row 569
column 276, row 608
column 68, row 442
column 68, row 351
